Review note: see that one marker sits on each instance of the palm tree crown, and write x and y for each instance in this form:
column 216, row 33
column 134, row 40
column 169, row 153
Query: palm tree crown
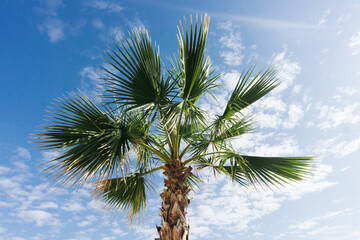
column 150, row 120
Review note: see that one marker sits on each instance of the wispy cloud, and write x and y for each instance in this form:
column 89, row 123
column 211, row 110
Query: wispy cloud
column 324, row 17
column 354, row 43
column 344, row 18
column 40, row 217
column 240, row 18
column 295, row 114
column 90, row 82
column 50, row 7
column 23, row 153
column 347, row 90
column 336, row 147
column 231, row 44
column 332, row 116
column 312, row 222
column 262, row 22
column 230, row 79
column 4, row 170
column 90, row 219
column 287, row 69
column 110, row 6
column 97, row 23
column 54, row 28
column 52, row 25
column 116, row 33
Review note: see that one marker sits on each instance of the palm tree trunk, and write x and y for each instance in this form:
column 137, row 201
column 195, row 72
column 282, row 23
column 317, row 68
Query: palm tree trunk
column 174, row 203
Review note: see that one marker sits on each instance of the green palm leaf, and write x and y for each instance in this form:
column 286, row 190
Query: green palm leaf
column 193, row 70
column 216, row 135
column 139, row 81
column 94, row 142
column 127, row 193
column 266, row 170
column 249, row 89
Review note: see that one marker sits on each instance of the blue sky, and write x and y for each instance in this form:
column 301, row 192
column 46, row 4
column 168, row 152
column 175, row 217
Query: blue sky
column 51, row 47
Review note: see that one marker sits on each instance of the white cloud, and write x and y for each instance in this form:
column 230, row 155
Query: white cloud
column 5, row 204
column 232, row 58
column 90, row 82
column 4, row 170
column 287, row 70
column 50, row 7
column 310, row 124
column 116, row 32
column 323, row 19
column 272, row 112
column 54, row 28
column 97, row 23
column 335, row 147
column 40, row 217
column 271, row 103
column 110, row 6
column 345, row 148
column 23, row 153
column 343, row 18
column 296, row 89
column 315, row 183
column 345, row 168
column 249, row 141
column 76, row 27
column 8, row 183
column 47, row 205
column 18, row 238
column 230, row 79
column 95, row 205
column 355, row 40
column 90, row 219
column 347, row 90
column 295, row 114
column 73, row 206
column 269, row 120
column 232, row 43
column 258, row 234
column 287, row 147
column 332, row 117
column 262, row 22
column 3, row 230
column 136, row 23
column 50, row 155
column 312, row 222
column 118, row 232
column 354, row 43
column 208, row 103
column 146, row 232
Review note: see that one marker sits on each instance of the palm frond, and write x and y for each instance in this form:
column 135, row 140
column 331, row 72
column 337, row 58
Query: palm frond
column 231, row 128
column 266, row 170
column 218, row 134
column 94, row 142
column 193, row 70
column 193, row 181
column 127, row 194
column 218, row 167
column 137, row 80
column 249, row 89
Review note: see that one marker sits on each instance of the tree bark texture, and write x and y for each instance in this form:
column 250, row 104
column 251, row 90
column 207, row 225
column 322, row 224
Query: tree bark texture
column 174, row 203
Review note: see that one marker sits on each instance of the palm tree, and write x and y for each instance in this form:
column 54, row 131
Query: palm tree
column 149, row 120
